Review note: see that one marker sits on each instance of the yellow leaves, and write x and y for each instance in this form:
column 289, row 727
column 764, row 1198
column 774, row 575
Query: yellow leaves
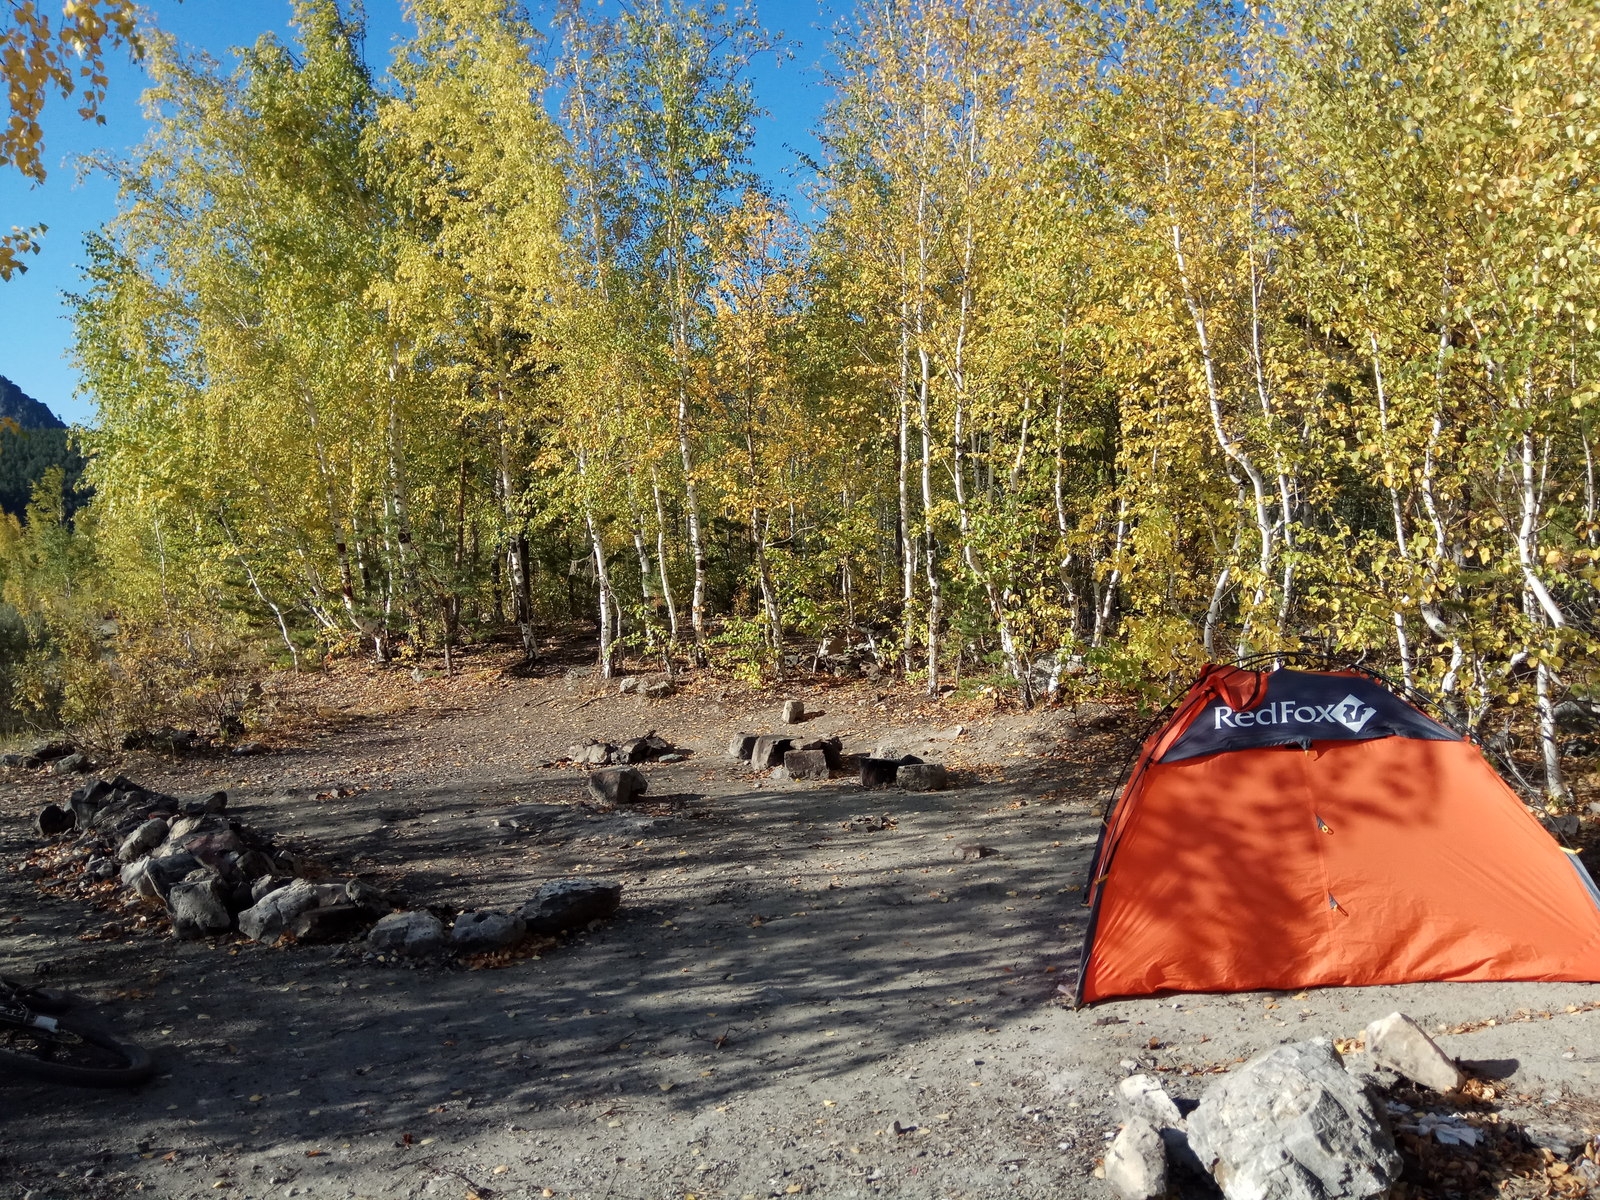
column 37, row 58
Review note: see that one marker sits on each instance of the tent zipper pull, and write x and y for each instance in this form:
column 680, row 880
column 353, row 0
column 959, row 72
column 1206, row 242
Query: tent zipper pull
column 1322, row 825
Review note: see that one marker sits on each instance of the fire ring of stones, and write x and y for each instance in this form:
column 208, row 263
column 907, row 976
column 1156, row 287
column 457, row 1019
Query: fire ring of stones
column 212, row 875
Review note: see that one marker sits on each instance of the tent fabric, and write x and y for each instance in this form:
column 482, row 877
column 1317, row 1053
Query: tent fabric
column 1299, row 707
column 1394, row 856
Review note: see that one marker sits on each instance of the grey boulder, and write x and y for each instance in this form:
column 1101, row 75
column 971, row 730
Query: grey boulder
column 617, row 785
column 566, row 904
column 407, row 933
column 768, row 752
column 879, row 772
column 1292, row 1124
column 593, row 754
column 199, row 908
column 486, row 929
column 54, row 820
column 832, row 749
column 921, row 777
column 142, row 840
column 805, row 764
column 270, row 917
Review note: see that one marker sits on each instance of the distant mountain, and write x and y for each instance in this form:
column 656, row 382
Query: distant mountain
column 40, row 441
column 24, row 409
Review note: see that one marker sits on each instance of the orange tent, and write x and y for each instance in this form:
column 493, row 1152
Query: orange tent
column 1293, row 829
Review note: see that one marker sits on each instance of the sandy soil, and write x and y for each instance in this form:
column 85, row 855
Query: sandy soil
column 783, row 1006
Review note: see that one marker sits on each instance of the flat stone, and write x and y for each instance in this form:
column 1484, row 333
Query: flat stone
column 617, row 785
column 563, row 905
column 486, row 929
column 72, row 764
column 1292, row 1124
column 592, row 754
column 1399, row 1043
column 1136, row 1162
column 973, row 850
column 407, row 933
column 740, row 746
column 794, row 711
column 657, row 689
column 806, row 764
column 1563, row 1141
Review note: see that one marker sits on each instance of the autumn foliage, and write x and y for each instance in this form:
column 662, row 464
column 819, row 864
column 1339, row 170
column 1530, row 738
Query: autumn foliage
column 1123, row 335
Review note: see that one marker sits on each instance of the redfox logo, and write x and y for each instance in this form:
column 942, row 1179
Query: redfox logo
column 1349, row 712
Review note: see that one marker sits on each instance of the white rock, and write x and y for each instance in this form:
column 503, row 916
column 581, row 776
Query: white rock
column 1142, row 1096
column 1399, row 1043
column 1291, row 1124
column 1136, row 1162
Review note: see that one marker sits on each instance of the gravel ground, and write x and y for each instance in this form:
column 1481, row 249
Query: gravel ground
column 783, row 1006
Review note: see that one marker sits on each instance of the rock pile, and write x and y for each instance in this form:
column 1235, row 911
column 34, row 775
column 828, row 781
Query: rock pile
column 790, row 758
column 787, row 757
column 213, row 875
column 59, row 758
column 559, row 906
column 648, row 748
column 657, row 687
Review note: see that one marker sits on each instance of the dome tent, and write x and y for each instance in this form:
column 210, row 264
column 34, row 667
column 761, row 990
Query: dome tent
column 1290, row 829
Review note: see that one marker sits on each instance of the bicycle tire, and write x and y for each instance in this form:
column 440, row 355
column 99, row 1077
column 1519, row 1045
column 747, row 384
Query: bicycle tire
column 77, row 1053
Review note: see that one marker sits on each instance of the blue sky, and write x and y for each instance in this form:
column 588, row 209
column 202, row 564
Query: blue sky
column 33, row 312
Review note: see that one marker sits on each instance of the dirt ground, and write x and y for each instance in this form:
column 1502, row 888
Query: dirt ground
column 783, row 1006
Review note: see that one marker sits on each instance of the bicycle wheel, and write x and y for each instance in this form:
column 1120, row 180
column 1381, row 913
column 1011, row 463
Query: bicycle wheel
column 77, row 1052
